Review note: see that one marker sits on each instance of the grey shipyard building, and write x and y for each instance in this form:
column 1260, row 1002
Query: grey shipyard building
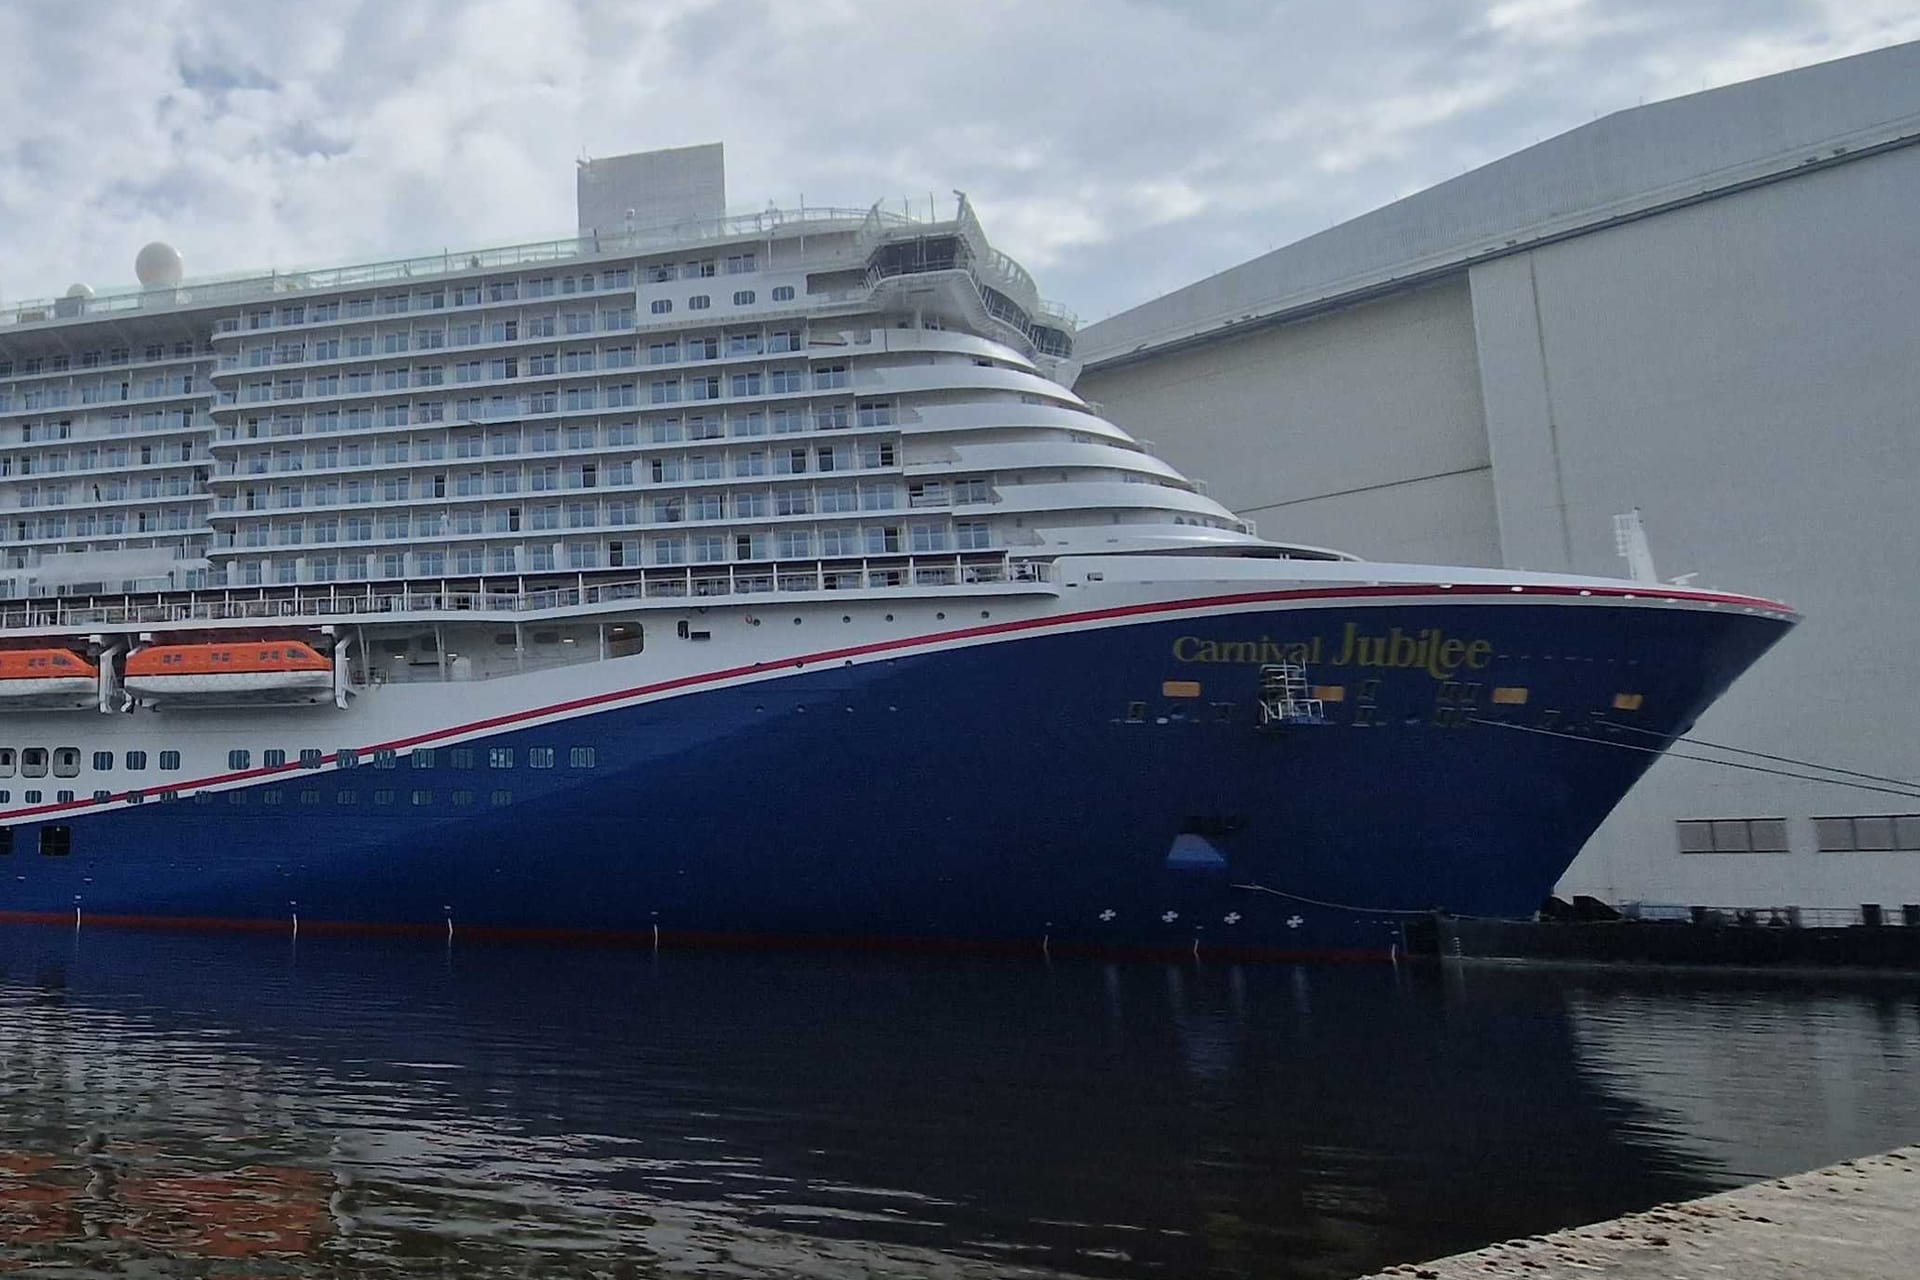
column 1707, row 309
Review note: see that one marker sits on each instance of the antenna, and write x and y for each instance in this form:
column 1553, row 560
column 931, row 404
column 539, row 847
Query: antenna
column 1630, row 541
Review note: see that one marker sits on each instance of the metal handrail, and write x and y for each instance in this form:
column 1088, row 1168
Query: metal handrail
column 250, row 286
column 309, row 601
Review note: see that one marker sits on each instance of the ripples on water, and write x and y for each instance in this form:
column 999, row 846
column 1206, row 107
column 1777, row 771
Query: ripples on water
column 218, row 1106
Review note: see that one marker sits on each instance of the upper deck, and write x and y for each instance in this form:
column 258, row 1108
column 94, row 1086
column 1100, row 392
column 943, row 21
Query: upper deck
column 703, row 408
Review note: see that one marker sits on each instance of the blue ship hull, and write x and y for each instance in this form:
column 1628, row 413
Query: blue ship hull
column 1050, row 789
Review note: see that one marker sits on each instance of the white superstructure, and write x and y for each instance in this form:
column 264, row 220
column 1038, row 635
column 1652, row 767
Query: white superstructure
column 798, row 400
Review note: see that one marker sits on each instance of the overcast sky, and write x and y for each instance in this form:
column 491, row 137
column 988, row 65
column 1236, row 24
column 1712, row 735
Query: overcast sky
column 1118, row 149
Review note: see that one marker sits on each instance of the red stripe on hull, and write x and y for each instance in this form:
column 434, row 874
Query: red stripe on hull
column 910, row 642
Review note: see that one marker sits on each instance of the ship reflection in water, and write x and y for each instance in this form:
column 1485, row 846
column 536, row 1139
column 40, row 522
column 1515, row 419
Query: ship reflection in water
column 175, row 1105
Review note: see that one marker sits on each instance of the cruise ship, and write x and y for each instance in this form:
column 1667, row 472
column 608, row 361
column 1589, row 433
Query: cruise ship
column 743, row 577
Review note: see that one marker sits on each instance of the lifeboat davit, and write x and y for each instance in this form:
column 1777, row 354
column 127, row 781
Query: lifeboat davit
column 235, row 673
column 47, row 679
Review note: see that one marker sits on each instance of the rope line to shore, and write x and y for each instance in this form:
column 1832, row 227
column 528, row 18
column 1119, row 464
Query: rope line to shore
column 1336, row 906
column 1905, row 790
column 1748, row 751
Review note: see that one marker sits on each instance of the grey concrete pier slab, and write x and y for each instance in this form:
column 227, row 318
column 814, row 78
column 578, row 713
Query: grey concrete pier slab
column 1855, row 1219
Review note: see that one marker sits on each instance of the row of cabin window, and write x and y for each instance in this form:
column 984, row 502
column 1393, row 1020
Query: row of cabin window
column 701, row 301
column 310, row 796
column 472, row 295
column 428, row 758
column 61, row 362
column 64, row 762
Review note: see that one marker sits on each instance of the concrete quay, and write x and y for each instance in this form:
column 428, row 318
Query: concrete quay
column 1849, row 1221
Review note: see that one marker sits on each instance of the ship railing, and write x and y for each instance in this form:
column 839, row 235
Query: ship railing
column 235, row 289
column 322, row 602
column 506, row 662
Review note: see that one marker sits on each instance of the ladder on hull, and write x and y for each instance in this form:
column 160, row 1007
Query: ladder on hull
column 1284, row 697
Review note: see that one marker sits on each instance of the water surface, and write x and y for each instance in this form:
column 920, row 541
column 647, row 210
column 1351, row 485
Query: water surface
column 189, row 1105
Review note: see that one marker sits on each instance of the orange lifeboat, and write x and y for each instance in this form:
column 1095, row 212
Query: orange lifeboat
column 43, row 679
column 229, row 673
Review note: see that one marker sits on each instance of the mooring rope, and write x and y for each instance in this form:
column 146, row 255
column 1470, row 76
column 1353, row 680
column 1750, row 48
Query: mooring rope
column 1906, row 790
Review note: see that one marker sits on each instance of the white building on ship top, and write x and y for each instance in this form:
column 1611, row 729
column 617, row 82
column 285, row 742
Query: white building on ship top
column 804, row 399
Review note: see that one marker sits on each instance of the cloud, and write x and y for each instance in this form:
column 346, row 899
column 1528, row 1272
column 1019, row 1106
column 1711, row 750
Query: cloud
column 1119, row 149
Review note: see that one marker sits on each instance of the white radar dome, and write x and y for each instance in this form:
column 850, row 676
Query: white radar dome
column 79, row 291
column 159, row 265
